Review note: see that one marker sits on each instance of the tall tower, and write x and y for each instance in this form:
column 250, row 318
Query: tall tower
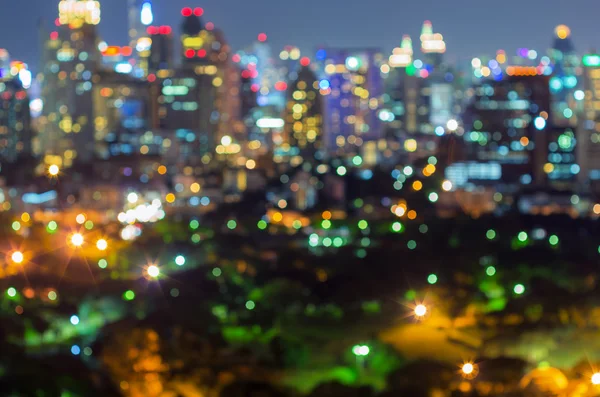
column 432, row 45
column 564, row 81
column 140, row 16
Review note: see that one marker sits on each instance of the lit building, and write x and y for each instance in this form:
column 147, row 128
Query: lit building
column 139, row 17
column 565, row 79
column 432, row 45
column 588, row 131
column 352, row 87
column 15, row 120
column 161, row 48
column 304, row 118
column 71, row 57
column 507, row 124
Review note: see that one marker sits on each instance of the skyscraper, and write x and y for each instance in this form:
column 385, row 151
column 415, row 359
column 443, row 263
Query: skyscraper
column 15, row 123
column 565, row 79
column 588, row 131
column 139, row 17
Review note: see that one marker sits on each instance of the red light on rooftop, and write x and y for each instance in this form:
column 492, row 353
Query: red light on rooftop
column 126, row 51
column 281, row 86
column 305, row 61
column 190, row 53
column 202, row 53
column 186, row 12
column 209, row 26
column 262, row 37
column 54, row 35
column 198, row 11
column 165, row 30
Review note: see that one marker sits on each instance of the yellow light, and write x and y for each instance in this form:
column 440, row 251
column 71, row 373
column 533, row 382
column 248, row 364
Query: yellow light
column 77, row 239
column 468, row 368
column 596, row 378
column 162, row 170
column 446, row 185
column 548, row 168
column 596, row 209
column 25, row 217
column 417, row 185
column 17, row 257
column 562, row 31
column 101, row 244
column 53, row 170
column 195, row 187
column 170, row 198
column 410, row 145
column 153, row 271
column 420, row 310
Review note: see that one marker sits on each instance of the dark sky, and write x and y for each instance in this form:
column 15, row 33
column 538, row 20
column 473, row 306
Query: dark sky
column 470, row 27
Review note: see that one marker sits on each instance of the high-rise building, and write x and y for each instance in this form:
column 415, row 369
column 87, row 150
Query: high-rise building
column 161, row 48
column 588, row 131
column 352, row 86
column 15, row 125
column 565, row 79
column 304, row 119
column 139, row 17
column 71, row 57
column 432, row 45
column 507, row 126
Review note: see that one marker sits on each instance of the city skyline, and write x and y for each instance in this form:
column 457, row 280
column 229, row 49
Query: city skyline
column 332, row 24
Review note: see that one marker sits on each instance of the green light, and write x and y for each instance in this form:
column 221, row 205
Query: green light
column 397, row 227
column 358, row 203
column 365, row 241
column 338, row 242
column 423, row 228
column 326, row 224
column 327, row 242
column 89, row 225
column 432, row 279
column 216, row 272
column 11, row 292
column 432, row 160
column 412, row 244
column 411, row 70
column 52, row 295
column 519, row 289
column 553, row 240
column 250, row 305
column 433, row 197
column 591, row 60
column 357, row 160
column 362, row 224
column 490, row 234
column 361, row 350
column 490, row 271
column 52, row 226
column 195, row 238
column 231, row 224
column 194, row 224
column 361, row 253
column 16, row 225
column 341, row 170
column 296, row 224
column 262, row 225
column 522, row 236
column 102, row 264
column 129, row 295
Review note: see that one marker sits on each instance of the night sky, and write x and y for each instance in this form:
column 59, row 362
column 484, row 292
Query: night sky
column 468, row 26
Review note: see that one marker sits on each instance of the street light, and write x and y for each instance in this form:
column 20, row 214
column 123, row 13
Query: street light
column 77, row 239
column 53, row 170
column 101, row 244
column 420, row 310
column 17, row 257
column 153, row 271
column 469, row 370
column 596, row 379
column 361, row 350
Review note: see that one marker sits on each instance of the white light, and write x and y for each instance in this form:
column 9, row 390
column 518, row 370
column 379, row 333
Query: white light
column 101, row 244
column 77, row 240
column 180, row 260
column 468, row 368
column 269, row 123
column 74, row 320
column 452, row 125
column 53, row 170
column 226, row 140
column 123, row 67
column 447, row 185
column 25, row 77
column 596, row 378
column 153, row 271
column 17, row 257
column 146, row 17
column 352, row 63
column 420, row 310
column 132, row 198
column 579, row 95
column 539, row 123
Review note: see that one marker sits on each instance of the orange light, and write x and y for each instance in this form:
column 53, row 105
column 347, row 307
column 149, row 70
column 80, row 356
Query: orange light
column 412, row 214
column 524, row 141
column 162, row 170
column 112, row 51
column 170, row 198
column 417, row 185
column 326, row 215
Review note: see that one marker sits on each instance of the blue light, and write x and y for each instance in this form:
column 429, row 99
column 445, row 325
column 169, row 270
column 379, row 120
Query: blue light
column 34, row 198
column 439, row 130
column 539, row 123
column 146, row 16
column 575, row 169
column 321, row 55
column 75, row 350
column 324, row 84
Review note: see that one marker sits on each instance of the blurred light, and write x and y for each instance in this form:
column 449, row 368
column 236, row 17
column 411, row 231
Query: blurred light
column 146, row 16
column 519, row 289
column 75, row 350
column 432, row 279
column 102, row 244
column 490, row 271
column 153, row 271
column 452, row 125
column 180, row 260
column 132, row 198
column 53, row 170
column 74, row 320
column 77, row 239
column 17, row 257
column 539, row 123
column 446, row 186
column 596, row 378
column 468, row 368
column 420, row 310
column 262, row 37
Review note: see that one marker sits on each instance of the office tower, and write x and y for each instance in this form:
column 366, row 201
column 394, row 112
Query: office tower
column 139, row 17
column 565, row 80
column 432, row 46
column 15, row 120
column 352, row 87
column 71, row 57
column 506, row 130
column 588, row 131
column 161, row 48
column 304, row 119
